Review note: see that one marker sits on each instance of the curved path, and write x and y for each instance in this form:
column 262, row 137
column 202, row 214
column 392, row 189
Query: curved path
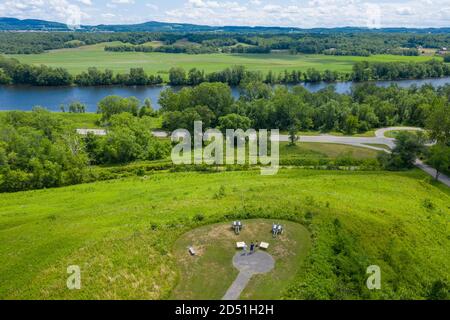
column 364, row 142
column 248, row 265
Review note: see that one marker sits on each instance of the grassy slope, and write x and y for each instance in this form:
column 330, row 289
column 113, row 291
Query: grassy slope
column 121, row 232
column 79, row 59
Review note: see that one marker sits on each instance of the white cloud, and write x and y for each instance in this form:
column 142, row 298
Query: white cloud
column 295, row 13
column 59, row 10
column 405, row 11
column 86, row 2
column 152, row 6
column 314, row 13
column 123, row 1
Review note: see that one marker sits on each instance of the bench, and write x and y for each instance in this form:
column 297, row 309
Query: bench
column 240, row 245
column 264, row 245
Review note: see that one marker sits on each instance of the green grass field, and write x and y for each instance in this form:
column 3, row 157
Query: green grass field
column 122, row 233
column 79, row 59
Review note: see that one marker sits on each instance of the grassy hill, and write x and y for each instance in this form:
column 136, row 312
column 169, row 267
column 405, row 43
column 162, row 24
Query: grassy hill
column 77, row 60
column 122, row 232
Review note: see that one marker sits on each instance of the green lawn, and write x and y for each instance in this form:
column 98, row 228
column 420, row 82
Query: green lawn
column 216, row 246
column 80, row 120
column 323, row 150
column 87, row 120
column 394, row 133
column 77, row 60
column 121, row 232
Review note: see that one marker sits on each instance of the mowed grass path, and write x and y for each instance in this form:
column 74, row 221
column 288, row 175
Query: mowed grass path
column 79, row 59
column 121, row 232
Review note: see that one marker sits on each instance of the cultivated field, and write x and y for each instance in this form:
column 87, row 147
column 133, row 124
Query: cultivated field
column 79, row 59
column 122, row 233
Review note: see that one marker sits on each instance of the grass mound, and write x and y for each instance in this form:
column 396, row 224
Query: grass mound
column 209, row 274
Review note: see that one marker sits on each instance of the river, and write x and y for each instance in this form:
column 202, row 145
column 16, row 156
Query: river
column 26, row 97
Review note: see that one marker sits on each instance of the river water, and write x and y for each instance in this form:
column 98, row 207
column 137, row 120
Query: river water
column 26, row 97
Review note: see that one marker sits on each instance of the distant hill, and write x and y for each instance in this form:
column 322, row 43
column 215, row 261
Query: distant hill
column 12, row 24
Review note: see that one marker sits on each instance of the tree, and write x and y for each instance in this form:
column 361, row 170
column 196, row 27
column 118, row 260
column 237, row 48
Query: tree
column 195, row 77
column 4, row 78
column 313, row 75
column 250, row 91
column 234, row 121
column 112, row 105
column 293, row 129
column 129, row 138
column 438, row 121
column 216, row 96
column 351, row 124
column 439, row 158
column 146, row 109
column 174, row 120
column 408, row 147
column 447, row 58
column 77, row 107
column 177, row 76
column 137, row 77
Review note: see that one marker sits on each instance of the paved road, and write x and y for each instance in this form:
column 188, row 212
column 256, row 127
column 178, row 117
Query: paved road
column 379, row 139
column 364, row 142
column 432, row 172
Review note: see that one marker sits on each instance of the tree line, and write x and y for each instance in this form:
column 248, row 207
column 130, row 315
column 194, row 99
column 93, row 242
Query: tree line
column 308, row 42
column 14, row 72
column 367, row 107
column 365, row 71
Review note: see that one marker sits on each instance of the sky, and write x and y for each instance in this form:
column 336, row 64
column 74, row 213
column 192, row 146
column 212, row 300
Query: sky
column 286, row 13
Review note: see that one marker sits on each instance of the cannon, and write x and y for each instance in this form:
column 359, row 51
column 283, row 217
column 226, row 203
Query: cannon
column 237, row 227
column 277, row 229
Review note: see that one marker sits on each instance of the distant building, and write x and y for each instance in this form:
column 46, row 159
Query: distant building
column 443, row 51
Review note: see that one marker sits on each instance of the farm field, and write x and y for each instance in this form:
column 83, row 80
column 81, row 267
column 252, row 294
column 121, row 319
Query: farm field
column 123, row 233
column 77, row 60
